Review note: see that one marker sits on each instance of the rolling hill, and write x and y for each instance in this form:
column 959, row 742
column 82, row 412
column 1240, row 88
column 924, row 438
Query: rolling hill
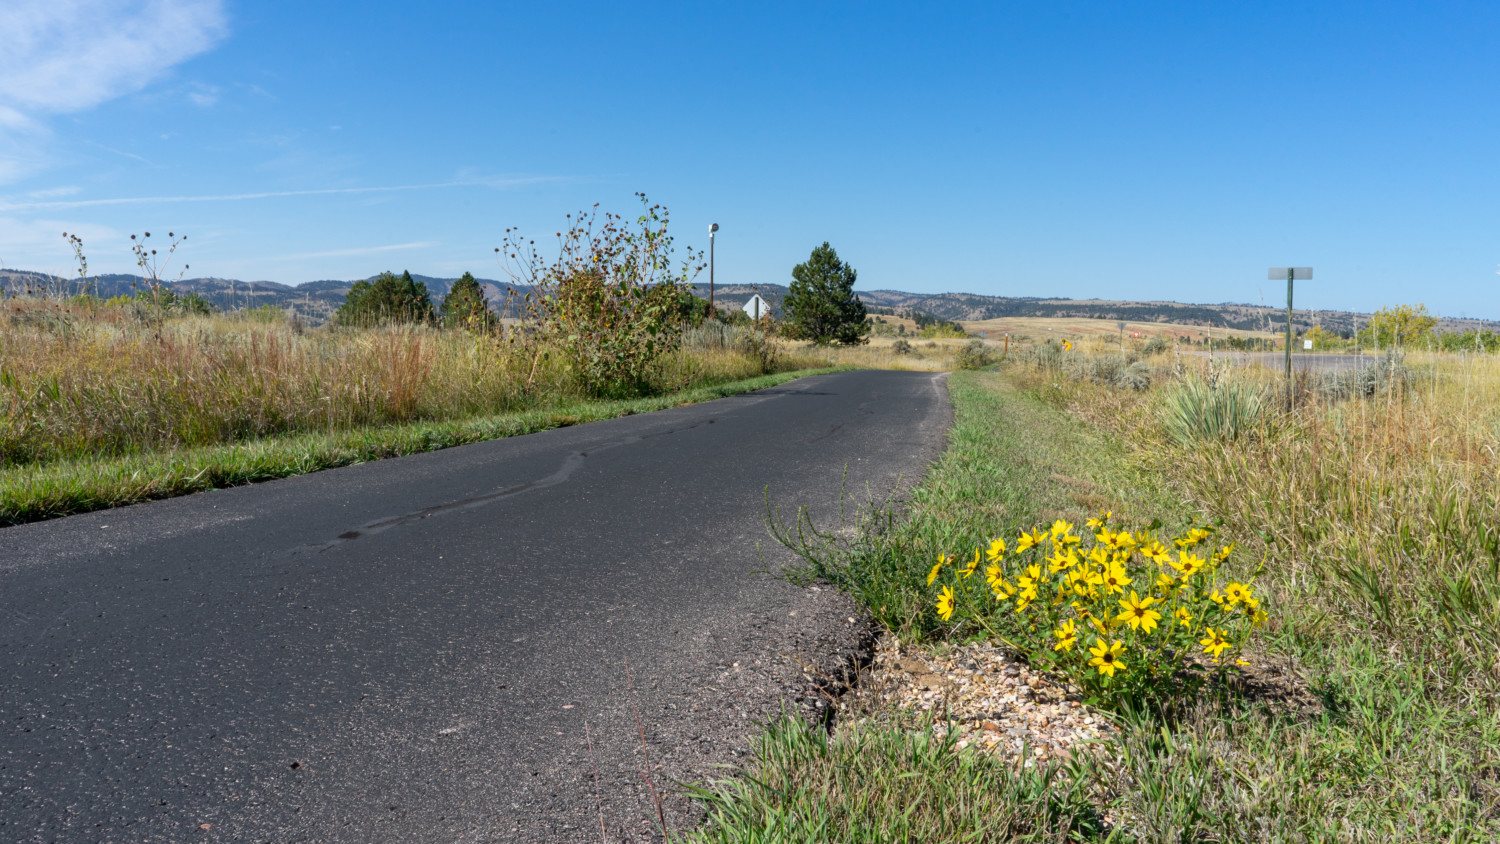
column 317, row 300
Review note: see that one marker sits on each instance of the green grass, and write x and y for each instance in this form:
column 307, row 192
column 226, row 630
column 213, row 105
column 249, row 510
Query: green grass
column 33, row 492
column 881, row 785
column 1012, row 462
column 1382, row 748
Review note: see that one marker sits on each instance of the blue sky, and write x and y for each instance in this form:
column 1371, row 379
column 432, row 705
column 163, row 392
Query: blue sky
column 1112, row 150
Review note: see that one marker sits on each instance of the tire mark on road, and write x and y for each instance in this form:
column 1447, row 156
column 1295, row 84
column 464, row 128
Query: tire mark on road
column 570, row 464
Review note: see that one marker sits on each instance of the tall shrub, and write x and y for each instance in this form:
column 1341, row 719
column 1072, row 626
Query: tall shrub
column 609, row 301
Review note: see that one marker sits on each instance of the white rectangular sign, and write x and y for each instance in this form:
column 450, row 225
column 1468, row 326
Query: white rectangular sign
column 1298, row 273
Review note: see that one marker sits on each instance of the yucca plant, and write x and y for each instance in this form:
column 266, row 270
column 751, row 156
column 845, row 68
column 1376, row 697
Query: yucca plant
column 1196, row 411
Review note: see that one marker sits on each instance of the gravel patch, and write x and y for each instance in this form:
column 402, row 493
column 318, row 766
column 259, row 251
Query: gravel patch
column 996, row 703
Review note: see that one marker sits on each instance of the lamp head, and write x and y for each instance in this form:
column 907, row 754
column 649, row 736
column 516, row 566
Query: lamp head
column 713, row 227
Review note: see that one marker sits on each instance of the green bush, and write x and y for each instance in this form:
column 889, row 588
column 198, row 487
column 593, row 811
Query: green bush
column 974, row 355
column 610, row 300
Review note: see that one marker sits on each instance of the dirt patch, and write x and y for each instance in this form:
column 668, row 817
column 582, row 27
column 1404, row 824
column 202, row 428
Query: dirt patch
column 996, row 703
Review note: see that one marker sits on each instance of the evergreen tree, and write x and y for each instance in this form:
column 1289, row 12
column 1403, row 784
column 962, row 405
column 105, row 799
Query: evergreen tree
column 465, row 306
column 386, row 299
column 821, row 305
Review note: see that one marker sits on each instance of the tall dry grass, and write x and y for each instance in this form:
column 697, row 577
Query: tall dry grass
column 1383, row 513
column 1377, row 516
column 79, row 381
column 1370, row 521
column 881, row 353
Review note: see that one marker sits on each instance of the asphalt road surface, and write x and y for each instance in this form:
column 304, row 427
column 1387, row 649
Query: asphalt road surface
column 435, row 647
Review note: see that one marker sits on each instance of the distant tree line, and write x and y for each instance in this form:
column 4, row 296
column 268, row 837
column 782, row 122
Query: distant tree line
column 390, row 299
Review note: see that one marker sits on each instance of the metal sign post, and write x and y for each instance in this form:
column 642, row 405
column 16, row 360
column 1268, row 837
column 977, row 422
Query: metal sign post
column 1289, row 273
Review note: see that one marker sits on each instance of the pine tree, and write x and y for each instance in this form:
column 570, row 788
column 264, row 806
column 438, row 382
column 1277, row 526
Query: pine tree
column 386, row 299
column 465, row 306
column 821, row 305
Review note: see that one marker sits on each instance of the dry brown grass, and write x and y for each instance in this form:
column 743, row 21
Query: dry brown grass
column 1379, row 516
column 1043, row 328
column 879, row 353
column 96, row 382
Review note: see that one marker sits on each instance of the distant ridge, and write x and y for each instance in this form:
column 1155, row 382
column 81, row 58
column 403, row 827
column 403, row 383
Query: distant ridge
column 314, row 300
column 972, row 307
column 317, row 300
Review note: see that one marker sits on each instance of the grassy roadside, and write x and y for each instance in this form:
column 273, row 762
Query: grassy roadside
column 34, row 492
column 1385, row 754
column 1012, row 461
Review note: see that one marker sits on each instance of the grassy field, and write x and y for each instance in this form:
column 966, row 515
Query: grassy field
column 1042, row 328
column 103, row 408
column 881, row 353
column 1368, row 526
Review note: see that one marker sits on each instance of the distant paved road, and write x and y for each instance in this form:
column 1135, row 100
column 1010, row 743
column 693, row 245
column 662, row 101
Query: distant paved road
column 1302, row 361
column 410, row 650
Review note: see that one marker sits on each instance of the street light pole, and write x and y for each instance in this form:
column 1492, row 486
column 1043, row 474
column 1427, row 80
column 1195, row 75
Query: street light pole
column 713, row 227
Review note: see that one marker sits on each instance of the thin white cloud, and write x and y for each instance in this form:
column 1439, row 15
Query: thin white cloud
column 203, row 96
column 122, row 153
column 7, row 205
column 364, row 250
column 69, row 55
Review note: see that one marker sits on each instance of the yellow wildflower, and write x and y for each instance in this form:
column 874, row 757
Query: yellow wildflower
column 1099, row 520
column 1115, row 579
column 1138, row 613
column 1030, row 578
column 1107, row 657
column 971, row 567
column 1223, row 553
column 1188, row 564
column 1214, row 643
column 1062, row 560
column 1184, row 617
column 1024, row 599
column 1236, row 592
column 993, row 573
column 1258, row 618
column 1160, row 554
column 943, row 560
column 1067, row 635
column 1027, row 540
column 996, row 551
column 945, row 603
column 996, row 580
column 1193, row 537
column 1084, row 579
column 1062, row 534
